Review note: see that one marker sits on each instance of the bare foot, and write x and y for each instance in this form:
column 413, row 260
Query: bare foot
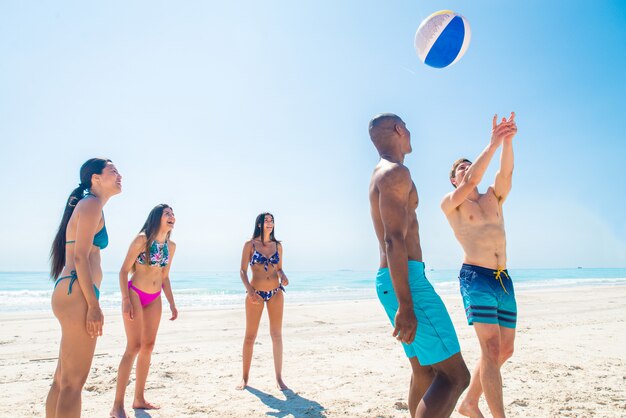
column 144, row 405
column 242, row 385
column 117, row 412
column 280, row 384
column 470, row 410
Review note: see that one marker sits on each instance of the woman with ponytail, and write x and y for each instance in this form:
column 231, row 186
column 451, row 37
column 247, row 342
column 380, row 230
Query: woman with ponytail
column 264, row 255
column 149, row 260
column 75, row 259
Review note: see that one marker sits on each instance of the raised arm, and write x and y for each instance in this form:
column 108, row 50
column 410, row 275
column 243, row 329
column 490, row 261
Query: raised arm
column 90, row 214
column 167, row 286
column 504, row 177
column 394, row 188
column 477, row 170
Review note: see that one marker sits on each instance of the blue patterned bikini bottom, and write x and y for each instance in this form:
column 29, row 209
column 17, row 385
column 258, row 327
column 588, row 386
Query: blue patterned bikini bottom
column 268, row 295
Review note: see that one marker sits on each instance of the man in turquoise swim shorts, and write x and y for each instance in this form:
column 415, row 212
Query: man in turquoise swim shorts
column 420, row 319
column 486, row 286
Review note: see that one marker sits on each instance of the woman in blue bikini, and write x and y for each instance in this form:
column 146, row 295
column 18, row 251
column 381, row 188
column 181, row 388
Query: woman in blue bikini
column 264, row 254
column 75, row 259
column 149, row 259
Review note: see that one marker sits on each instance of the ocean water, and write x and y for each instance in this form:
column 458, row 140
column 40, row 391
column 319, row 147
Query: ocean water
column 31, row 291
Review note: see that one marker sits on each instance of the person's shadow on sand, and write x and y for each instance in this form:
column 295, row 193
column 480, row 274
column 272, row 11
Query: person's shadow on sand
column 142, row 413
column 294, row 404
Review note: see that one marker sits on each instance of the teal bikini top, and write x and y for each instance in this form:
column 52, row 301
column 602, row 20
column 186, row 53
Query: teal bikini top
column 100, row 240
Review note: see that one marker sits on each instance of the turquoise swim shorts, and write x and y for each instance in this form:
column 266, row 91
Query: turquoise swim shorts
column 435, row 339
column 488, row 296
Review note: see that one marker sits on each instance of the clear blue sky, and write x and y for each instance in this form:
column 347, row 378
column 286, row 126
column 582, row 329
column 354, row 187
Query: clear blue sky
column 227, row 109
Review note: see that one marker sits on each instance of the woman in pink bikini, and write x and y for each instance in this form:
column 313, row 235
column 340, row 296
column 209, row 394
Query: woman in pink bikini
column 149, row 260
column 264, row 255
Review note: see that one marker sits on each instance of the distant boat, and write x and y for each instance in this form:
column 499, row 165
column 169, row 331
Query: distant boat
column 579, row 267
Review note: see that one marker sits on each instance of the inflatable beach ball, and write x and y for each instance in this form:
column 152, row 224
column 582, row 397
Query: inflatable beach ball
column 442, row 38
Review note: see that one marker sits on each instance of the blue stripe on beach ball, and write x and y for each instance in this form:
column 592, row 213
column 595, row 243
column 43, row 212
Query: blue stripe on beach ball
column 448, row 44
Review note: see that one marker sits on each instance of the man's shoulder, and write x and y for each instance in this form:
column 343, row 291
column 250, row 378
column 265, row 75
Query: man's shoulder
column 393, row 173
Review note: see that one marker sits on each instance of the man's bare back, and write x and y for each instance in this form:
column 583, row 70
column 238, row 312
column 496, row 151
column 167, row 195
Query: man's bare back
column 385, row 175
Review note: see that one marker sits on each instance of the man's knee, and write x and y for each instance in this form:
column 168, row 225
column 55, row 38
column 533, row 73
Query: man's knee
column 491, row 350
column 506, row 352
column 462, row 377
column 423, row 372
column 456, row 372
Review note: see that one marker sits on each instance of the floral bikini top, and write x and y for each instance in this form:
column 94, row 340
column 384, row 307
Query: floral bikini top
column 258, row 258
column 159, row 255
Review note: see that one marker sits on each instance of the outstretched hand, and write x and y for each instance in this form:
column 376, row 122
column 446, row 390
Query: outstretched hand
column 505, row 130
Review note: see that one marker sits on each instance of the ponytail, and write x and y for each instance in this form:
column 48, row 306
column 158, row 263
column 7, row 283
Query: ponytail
column 57, row 252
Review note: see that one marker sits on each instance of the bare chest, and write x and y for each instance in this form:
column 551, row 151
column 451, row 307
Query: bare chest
column 486, row 210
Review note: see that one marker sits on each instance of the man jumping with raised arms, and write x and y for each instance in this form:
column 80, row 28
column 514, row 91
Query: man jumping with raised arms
column 420, row 319
column 486, row 287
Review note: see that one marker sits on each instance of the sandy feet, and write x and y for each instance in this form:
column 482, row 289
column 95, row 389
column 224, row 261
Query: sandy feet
column 242, row 385
column 470, row 410
column 118, row 412
column 280, row 384
column 143, row 404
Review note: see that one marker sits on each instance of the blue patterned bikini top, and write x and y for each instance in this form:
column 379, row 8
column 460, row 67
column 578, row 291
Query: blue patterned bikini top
column 258, row 258
column 159, row 255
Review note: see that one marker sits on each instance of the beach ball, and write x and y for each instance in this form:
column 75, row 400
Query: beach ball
column 442, row 38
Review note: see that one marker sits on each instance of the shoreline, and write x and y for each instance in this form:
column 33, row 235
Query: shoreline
column 339, row 360
column 446, row 296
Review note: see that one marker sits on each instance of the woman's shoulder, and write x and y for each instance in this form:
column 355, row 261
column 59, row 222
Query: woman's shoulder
column 140, row 239
column 171, row 244
column 89, row 205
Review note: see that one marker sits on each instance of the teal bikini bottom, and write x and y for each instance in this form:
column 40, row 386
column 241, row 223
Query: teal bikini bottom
column 73, row 277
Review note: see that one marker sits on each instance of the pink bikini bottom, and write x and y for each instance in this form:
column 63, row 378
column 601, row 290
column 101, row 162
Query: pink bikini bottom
column 145, row 298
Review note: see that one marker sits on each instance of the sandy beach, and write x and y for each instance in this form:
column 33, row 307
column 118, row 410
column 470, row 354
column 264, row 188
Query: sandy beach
column 340, row 361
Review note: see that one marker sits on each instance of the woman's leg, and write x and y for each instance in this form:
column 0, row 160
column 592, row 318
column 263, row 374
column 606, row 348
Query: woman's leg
column 133, row 330
column 151, row 321
column 53, row 394
column 75, row 354
column 253, row 318
column 275, row 313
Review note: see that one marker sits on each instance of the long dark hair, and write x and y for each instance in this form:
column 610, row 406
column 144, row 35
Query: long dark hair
column 258, row 228
column 57, row 252
column 152, row 225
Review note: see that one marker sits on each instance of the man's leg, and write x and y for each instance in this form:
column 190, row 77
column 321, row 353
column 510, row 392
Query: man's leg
column 421, row 379
column 469, row 406
column 489, row 337
column 451, row 379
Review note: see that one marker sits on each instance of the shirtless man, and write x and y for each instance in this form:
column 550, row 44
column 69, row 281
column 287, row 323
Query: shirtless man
column 420, row 319
column 486, row 287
